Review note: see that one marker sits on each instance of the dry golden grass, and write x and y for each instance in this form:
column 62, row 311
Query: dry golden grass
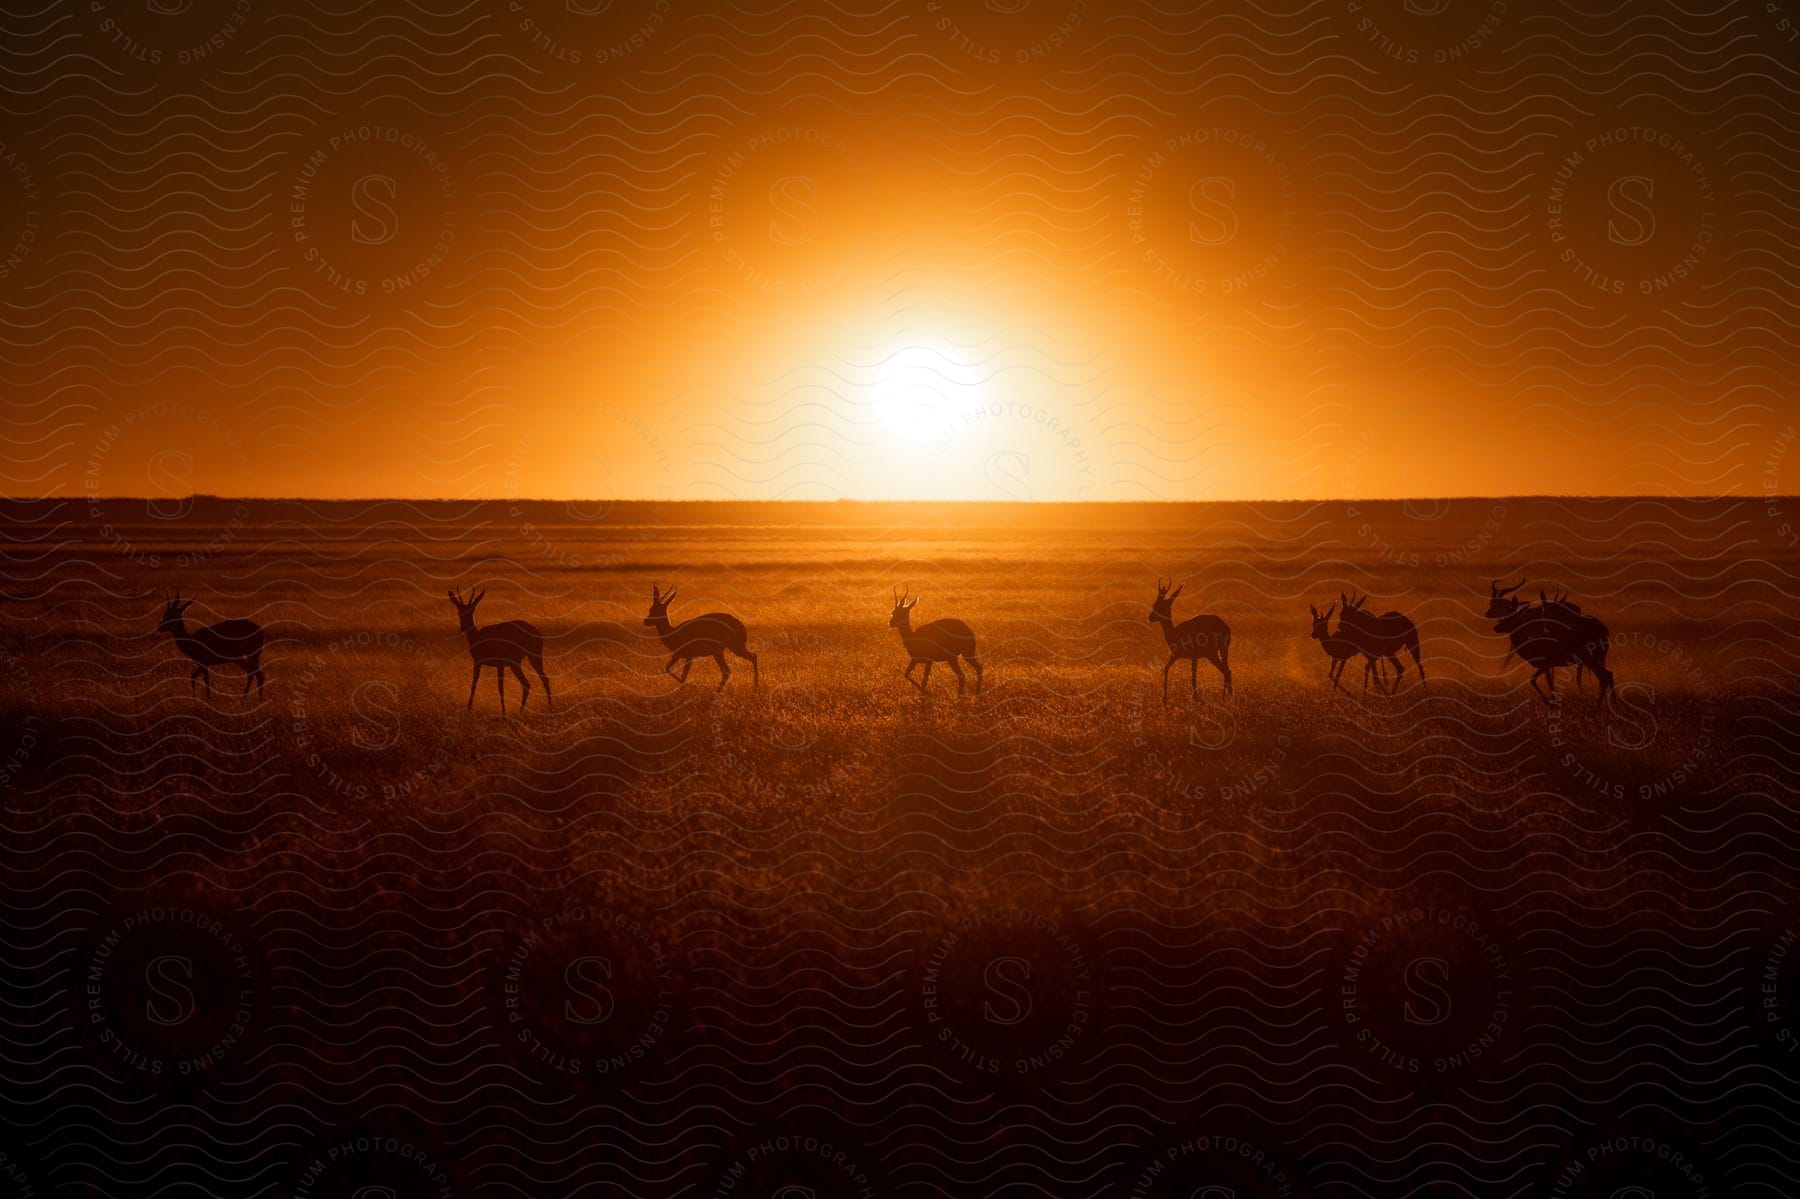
column 801, row 885
column 364, row 722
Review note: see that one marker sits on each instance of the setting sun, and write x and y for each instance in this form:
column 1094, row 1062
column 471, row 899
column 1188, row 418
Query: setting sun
column 920, row 391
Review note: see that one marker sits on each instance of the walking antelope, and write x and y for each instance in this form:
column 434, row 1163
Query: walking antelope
column 1550, row 634
column 940, row 641
column 707, row 636
column 1338, row 647
column 1381, row 638
column 229, row 643
column 503, row 646
column 1195, row 638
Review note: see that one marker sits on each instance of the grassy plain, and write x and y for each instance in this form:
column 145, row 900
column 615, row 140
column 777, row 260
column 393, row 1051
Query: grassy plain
column 823, row 862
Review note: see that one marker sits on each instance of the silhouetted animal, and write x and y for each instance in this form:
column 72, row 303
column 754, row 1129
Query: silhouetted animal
column 1549, row 634
column 503, row 646
column 1195, row 638
column 939, row 641
column 1381, row 638
column 1339, row 647
column 1561, row 605
column 706, row 636
column 229, row 643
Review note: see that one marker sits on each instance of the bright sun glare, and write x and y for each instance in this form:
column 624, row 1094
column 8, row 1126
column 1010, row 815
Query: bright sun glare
column 919, row 392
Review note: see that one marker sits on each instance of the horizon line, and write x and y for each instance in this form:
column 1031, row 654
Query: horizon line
column 597, row 499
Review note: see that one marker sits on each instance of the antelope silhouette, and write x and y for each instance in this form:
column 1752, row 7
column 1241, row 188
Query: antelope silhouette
column 1195, row 638
column 1339, row 647
column 703, row 636
column 1381, row 638
column 1562, row 606
column 1548, row 634
column 229, row 643
column 940, row 641
column 503, row 646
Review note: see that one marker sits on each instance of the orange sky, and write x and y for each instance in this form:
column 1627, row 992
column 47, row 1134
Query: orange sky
column 1033, row 249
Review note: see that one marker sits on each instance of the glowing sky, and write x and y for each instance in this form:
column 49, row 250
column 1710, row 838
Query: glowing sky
column 1027, row 249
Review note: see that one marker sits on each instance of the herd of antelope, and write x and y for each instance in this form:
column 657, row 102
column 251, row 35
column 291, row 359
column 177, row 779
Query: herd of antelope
column 1544, row 635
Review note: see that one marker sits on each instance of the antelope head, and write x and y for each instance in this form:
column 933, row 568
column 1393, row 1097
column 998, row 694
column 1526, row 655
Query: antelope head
column 659, row 606
column 1164, row 606
column 1502, row 602
column 173, row 610
column 465, row 608
column 1319, row 623
column 901, row 617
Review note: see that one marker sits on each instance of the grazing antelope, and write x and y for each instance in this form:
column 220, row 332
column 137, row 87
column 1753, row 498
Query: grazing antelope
column 503, row 646
column 1338, row 647
column 1550, row 634
column 940, row 641
column 1381, row 639
column 1195, row 638
column 703, row 636
column 229, row 643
